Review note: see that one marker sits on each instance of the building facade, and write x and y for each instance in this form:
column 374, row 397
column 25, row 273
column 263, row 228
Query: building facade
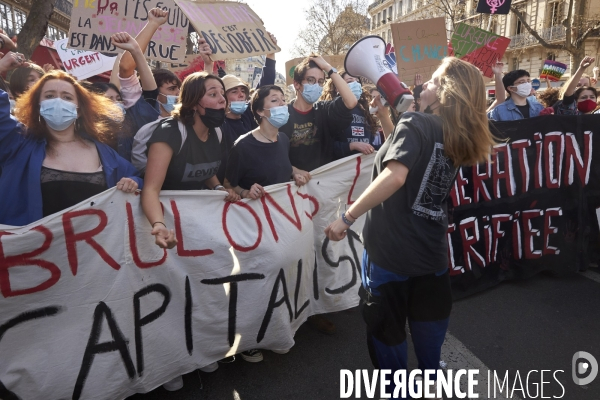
column 13, row 15
column 247, row 69
column 524, row 51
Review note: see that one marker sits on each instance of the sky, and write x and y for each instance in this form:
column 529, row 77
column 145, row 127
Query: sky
column 284, row 20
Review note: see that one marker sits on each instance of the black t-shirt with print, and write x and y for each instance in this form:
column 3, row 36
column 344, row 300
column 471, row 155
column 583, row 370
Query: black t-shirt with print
column 406, row 234
column 358, row 131
column 252, row 161
column 196, row 162
column 305, row 144
column 311, row 133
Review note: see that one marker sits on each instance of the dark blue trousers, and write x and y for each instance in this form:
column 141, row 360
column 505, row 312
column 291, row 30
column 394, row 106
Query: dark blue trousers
column 390, row 301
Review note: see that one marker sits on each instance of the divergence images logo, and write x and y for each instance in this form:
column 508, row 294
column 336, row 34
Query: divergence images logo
column 584, row 363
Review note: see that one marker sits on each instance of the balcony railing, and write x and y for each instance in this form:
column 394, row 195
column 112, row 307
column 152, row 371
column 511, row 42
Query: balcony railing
column 552, row 34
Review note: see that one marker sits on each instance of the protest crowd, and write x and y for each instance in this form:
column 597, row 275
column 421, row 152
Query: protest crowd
column 64, row 140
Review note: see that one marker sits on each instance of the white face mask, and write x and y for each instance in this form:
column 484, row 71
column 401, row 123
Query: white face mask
column 524, row 89
column 373, row 110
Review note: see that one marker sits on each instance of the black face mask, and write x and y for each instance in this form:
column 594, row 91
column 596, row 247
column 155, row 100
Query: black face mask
column 428, row 109
column 212, row 117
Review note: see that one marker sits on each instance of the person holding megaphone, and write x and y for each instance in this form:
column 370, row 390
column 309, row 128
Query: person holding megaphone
column 405, row 263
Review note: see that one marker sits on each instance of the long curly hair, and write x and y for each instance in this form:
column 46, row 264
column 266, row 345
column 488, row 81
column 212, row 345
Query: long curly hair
column 330, row 93
column 99, row 118
column 549, row 97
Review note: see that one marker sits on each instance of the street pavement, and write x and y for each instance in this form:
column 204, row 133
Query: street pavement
column 536, row 324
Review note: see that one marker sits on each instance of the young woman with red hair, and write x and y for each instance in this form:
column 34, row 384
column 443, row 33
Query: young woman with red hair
column 59, row 156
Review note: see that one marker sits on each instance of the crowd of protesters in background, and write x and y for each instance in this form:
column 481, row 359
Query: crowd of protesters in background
column 63, row 141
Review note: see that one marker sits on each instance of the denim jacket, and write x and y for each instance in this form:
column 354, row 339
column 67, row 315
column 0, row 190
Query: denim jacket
column 21, row 158
column 508, row 111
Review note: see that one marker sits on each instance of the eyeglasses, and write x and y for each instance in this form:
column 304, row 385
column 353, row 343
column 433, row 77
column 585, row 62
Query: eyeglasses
column 312, row 81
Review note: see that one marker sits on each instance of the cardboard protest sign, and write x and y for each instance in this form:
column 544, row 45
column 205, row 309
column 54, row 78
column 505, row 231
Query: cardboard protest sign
column 420, row 46
column 83, row 64
column 192, row 63
column 232, row 30
column 493, row 6
column 94, row 21
column 89, row 291
column 553, row 70
column 336, row 61
column 478, row 47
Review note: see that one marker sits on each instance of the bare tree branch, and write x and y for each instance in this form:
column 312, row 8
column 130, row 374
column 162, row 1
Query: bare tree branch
column 333, row 25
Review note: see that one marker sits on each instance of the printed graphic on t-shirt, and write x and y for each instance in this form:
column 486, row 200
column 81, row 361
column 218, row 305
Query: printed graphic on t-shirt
column 358, row 119
column 358, row 131
column 435, row 185
column 200, row 172
column 304, row 135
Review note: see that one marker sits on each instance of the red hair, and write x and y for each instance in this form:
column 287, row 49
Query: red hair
column 99, row 117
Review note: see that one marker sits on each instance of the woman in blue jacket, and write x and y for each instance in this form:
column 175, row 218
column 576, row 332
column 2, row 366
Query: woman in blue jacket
column 58, row 157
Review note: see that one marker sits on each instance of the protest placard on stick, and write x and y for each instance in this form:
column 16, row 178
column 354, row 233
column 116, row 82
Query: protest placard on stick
column 478, row 47
column 232, row 30
column 335, row 61
column 82, row 64
column 420, row 46
column 553, row 70
column 93, row 23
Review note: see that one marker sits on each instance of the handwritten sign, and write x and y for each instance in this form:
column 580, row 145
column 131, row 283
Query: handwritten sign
column 553, row 70
column 192, row 63
column 82, row 64
column 290, row 66
column 94, row 21
column 420, row 46
column 478, row 47
column 232, row 30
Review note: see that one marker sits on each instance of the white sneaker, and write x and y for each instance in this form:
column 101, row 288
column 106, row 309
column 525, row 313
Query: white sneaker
column 210, row 367
column 281, row 351
column 252, row 356
column 174, row 384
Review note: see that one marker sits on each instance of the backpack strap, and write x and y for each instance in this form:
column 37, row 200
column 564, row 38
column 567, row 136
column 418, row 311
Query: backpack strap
column 183, row 132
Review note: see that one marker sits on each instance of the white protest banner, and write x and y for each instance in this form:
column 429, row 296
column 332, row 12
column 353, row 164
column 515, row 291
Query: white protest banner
column 92, row 308
column 231, row 29
column 83, row 64
column 94, row 21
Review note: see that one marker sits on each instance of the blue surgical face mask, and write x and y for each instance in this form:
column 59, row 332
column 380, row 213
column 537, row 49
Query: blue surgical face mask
column 356, row 88
column 170, row 104
column 279, row 116
column 311, row 93
column 122, row 107
column 238, row 107
column 59, row 114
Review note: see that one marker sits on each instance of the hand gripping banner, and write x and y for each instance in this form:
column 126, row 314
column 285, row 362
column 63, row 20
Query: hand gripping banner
column 92, row 308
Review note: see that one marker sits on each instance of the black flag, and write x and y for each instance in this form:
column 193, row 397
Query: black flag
column 493, row 6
